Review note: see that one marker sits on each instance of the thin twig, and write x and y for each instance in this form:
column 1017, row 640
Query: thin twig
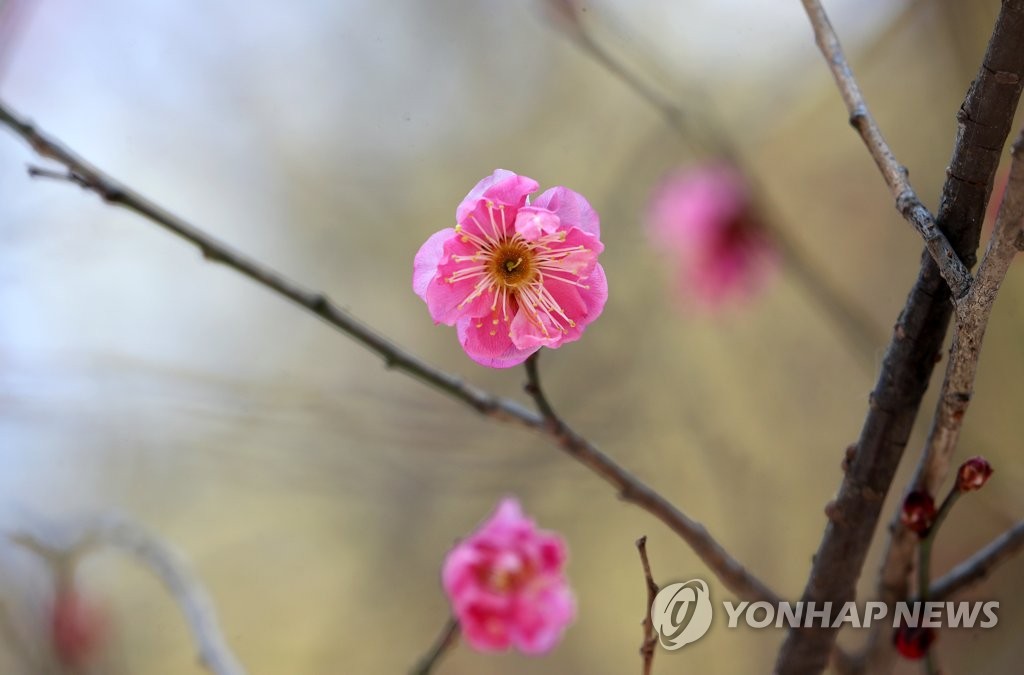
column 628, row 486
column 195, row 604
column 647, row 646
column 445, row 640
column 980, row 565
column 953, row 270
column 984, row 123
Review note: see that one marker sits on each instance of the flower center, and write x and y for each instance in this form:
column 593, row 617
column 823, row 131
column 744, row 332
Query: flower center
column 512, row 264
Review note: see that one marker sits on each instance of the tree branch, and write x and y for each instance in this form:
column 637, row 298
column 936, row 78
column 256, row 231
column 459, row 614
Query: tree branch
column 445, row 640
column 957, row 389
column 984, row 121
column 628, row 486
column 647, row 646
column 980, row 565
column 196, row 606
column 895, row 174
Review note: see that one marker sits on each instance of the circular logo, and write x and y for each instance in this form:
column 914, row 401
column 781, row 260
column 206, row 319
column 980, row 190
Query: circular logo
column 681, row 613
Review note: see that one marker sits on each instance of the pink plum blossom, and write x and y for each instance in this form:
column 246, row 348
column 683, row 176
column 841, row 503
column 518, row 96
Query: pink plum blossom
column 507, row 586
column 79, row 627
column 514, row 276
column 703, row 218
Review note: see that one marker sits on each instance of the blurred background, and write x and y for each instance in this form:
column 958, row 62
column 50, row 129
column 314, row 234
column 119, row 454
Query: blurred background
column 316, row 493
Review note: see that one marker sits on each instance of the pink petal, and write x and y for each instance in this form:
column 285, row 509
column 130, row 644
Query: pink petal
column 533, row 222
column 541, row 619
column 572, row 208
column 424, row 265
column 582, row 305
column 504, row 187
column 526, row 334
column 446, row 301
column 494, row 351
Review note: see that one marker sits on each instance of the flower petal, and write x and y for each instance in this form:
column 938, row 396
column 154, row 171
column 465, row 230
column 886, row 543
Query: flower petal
column 488, row 343
column 572, row 208
column 424, row 265
column 503, row 187
column 533, row 222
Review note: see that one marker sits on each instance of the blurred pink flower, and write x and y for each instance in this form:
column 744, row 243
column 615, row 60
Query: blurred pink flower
column 79, row 628
column 512, row 276
column 704, row 219
column 507, row 586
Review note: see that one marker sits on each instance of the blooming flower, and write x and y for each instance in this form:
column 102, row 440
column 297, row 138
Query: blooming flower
column 704, row 218
column 973, row 474
column 507, row 586
column 514, row 276
column 918, row 512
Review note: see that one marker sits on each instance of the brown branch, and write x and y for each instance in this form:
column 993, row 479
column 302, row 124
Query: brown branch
column 728, row 570
column 895, row 174
column 957, row 388
column 628, row 486
column 980, row 565
column 647, row 646
column 445, row 640
column 118, row 533
column 984, row 122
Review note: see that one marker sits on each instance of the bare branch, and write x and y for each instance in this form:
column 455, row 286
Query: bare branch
column 980, row 565
column 728, row 570
column 957, row 387
column 647, row 646
column 628, row 486
column 984, row 122
column 446, row 640
column 895, row 174
column 196, row 606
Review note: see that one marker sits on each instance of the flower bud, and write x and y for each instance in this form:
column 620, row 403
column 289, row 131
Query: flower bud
column 913, row 642
column 918, row 512
column 973, row 474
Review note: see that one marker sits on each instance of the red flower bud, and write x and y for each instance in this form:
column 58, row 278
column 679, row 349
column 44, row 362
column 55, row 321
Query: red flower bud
column 913, row 643
column 78, row 628
column 973, row 474
column 918, row 512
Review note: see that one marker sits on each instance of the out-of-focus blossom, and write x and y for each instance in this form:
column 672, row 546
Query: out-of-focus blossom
column 512, row 276
column 704, row 219
column 79, row 628
column 973, row 474
column 507, row 585
column 918, row 512
column 913, row 643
